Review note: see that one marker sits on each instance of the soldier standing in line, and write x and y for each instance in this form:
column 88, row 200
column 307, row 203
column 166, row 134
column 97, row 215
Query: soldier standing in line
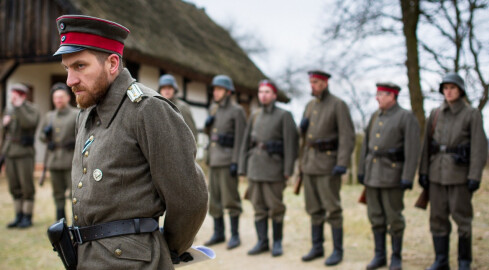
column 134, row 158
column 388, row 162
column 225, row 127
column 452, row 159
column 168, row 88
column 267, row 157
column 327, row 144
column 19, row 123
column 58, row 132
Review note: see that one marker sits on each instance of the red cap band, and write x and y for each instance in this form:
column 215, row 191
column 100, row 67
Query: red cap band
column 269, row 85
column 388, row 89
column 85, row 39
column 318, row 76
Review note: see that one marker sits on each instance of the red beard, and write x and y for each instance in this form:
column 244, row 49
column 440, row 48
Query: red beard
column 92, row 96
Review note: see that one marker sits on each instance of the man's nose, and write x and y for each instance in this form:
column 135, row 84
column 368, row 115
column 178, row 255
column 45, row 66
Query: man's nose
column 72, row 79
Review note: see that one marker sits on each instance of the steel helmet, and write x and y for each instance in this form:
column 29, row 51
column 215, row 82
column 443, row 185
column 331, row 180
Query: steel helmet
column 454, row 78
column 223, row 81
column 168, row 79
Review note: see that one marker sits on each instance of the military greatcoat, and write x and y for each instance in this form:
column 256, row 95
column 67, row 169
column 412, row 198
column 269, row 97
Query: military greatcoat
column 187, row 115
column 136, row 160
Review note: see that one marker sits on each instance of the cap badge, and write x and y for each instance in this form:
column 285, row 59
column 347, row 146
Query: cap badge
column 62, row 26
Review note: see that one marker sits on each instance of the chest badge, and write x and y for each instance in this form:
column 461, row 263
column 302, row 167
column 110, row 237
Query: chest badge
column 97, row 175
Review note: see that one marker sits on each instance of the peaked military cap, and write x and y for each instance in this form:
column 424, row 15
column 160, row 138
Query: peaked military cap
column 78, row 32
column 269, row 84
column 388, row 87
column 20, row 88
column 319, row 74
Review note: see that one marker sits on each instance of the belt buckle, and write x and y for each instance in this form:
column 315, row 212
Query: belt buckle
column 75, row 231
column 443, row 148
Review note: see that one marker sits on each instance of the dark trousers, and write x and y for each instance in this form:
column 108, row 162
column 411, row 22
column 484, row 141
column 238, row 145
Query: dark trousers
column 384, row 208
column 223, row 189
column 267, row 199
column 323, row 202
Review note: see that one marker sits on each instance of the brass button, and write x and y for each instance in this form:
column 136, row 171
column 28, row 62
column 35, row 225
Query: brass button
column 214, row 130
column 118, row 252
column 98, row 123
column 80, row 185
column 310, row 136
column 328, row 153
column 374, row 160
column 57, row 130
column 75, row 200
column 393, row 165
column 312, row 124
column 315, row 112
column 84, row 170
column 86, row 153
column 91, row 138
column 213, row 144
column 76, row 218
column 376, row 148
column 377, row 135
column 57, row 140
column 381, row 123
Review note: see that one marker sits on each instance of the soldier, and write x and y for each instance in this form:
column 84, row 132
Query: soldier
column 453, row 157
column 267, row 157
column 134, row 157
column 327, row 144
column 168, row 88
column 58, row 132
column 225, row 127
column 388, row 162
column 19, row 124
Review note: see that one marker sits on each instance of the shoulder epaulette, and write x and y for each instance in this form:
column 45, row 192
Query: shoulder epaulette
column 134, row 93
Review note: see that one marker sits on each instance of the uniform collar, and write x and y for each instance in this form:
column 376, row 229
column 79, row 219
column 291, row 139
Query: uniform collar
column 391, row 110
column 108, row 107
column 224, row 102
column 64, row 111
column 269, row 108
column 456, row 107
column 323, row 94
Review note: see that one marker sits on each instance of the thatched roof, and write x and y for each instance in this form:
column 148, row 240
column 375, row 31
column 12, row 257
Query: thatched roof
column 177, row 36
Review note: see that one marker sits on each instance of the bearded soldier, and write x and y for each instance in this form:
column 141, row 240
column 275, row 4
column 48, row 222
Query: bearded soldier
column 225, row 127
column 452, row 159
column 267, row 157
column 58, row 132
column 388, row 162
column 328, row 141
column 134, row 157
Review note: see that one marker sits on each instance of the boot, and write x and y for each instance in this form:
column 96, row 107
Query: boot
column 396, row 257
column 218, row 236
column 464, row 252
column 441, row 244
column 379, row 259
column 18, row 215
column 317, row 249
column 26, row 221
column 60, row 213
column 337, row 255
column 277, row 238
column 234, row 241
column 262, row 232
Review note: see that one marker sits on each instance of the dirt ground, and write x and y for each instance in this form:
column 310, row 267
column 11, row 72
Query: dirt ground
column 30, row 249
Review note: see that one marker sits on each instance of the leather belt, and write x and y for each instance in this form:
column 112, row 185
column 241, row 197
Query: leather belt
column 114, row 228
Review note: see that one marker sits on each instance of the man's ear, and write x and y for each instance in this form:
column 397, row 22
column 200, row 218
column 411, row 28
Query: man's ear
column 113, row 61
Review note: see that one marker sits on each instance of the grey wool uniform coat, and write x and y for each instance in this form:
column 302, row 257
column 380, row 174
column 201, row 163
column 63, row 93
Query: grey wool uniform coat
column 136, row 160
column 63, row 135
column 392, row 129
column 457, row 124
column 329, row 118
column 269, row 124
column 230, row 119
column 184, row 109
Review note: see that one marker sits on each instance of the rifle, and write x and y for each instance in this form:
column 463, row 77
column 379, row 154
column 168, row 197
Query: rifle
column 298, row 184
column 43, row 175
column 363, row 196
column 423, row 200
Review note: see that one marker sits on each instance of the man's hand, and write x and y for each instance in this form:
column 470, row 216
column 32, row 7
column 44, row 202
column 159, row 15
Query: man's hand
column 423, row 181
column 473, row 185
column 6, row 120
column 304, row 125
column 360, row 178
column 233, row 169
column 406, row 184
column 339, row 170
